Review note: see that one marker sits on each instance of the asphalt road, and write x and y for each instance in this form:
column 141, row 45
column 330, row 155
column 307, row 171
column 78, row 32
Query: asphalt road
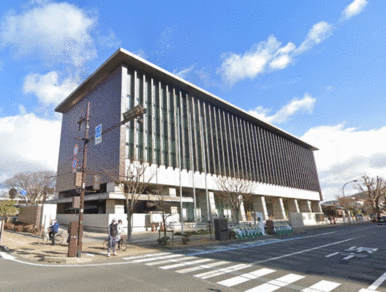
column 349, row 258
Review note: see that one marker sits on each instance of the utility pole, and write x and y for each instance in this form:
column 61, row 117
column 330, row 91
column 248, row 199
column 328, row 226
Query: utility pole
column 128, row 116
column 83, row 188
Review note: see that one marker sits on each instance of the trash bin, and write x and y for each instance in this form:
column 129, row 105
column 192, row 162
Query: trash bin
column 270, row 226
column 221, row 229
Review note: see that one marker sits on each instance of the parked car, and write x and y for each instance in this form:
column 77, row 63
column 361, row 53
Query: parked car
column 381, row 220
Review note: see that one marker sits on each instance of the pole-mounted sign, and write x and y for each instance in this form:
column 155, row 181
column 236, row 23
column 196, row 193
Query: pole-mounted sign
column 74, row 164
column 76, row 149
column 98, row 134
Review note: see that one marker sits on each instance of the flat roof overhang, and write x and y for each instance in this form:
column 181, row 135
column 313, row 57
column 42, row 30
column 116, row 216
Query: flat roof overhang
column 123, row 57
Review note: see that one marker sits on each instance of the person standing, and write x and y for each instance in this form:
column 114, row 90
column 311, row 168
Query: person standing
column 54, row 228
column 113, row 233
column 120, row 232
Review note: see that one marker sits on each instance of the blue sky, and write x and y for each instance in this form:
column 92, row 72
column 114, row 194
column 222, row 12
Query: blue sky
column 316, row 69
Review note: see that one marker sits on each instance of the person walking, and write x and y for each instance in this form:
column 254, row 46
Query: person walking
column 113, row 233
column 54, row 228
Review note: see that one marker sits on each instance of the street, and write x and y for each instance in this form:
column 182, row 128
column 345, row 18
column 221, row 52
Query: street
column 345, row 258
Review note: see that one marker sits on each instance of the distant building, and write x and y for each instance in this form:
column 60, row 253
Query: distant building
column 233, row 143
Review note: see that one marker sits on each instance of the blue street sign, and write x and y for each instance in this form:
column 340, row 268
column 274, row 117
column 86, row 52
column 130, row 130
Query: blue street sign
column 23, row 192
column 98, row 134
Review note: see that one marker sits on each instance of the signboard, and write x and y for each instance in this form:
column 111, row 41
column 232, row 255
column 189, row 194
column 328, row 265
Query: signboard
column 78, row 179
column 96, row 183
column 74, row 164
column 98, row 134
column 76, row 149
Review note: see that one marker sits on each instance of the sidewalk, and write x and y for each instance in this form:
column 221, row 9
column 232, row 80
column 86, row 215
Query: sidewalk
column 26, row 245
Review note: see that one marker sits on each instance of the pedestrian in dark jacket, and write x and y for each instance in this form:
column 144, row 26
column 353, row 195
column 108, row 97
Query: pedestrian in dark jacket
column 54, row 228
column 113, row 233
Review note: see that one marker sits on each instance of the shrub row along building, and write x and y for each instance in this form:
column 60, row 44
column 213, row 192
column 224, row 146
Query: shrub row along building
column 188, row 138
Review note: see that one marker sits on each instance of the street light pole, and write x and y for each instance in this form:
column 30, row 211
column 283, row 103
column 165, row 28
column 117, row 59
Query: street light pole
column 355, row 180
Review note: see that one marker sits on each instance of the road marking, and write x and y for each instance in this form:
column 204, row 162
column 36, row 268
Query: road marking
column 322, row 286
column 171, row 261
column 377, row 283
column 146, row 255
column 350, row 256
column 366, row 290
column 276, row 284
column 6, row 256
column 222, row 271
column 331, row 255
column 302, row 251
column 185, row 264
column 202, row 267
column 245, row 277
column 157, row 258
column 258, row 243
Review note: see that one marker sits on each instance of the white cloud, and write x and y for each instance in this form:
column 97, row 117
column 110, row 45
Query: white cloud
column 28, row 143
column 48, row 88
column 269, row 55
column 346, row 154
column 318, row 33
column 184, row 72
column 305, row 105
column 256, row 61
column 353, row 9
column 56, row 32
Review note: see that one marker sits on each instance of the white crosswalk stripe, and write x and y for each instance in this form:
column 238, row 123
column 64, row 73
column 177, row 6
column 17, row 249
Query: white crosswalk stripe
column 156, row 258
column 179, row 259
column 222, row 271
column 276, row 284
column 202, row 267
column 146, row 255
column 322, row 286
column 185, row 264
column 245, row 277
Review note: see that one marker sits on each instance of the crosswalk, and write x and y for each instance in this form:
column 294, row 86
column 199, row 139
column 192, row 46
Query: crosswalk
column 243, row 277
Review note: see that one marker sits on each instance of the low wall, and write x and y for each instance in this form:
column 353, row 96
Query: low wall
column 305, row 219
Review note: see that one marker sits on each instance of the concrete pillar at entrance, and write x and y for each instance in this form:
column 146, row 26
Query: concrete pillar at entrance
column 259, row 206
column 304, row 206
column 293, row 206
column 110, row 206
column 242, row 210
column 315, row 207
column 278, row 209
column 212, row 205
column 202, row 206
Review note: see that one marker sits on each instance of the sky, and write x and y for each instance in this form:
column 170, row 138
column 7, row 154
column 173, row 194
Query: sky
column 315, row 69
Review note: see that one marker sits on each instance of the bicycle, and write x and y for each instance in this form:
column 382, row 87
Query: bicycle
column 44, row 238
column 121, row 246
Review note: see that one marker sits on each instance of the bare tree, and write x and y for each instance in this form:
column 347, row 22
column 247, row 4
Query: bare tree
column 374, row 191
column 162, row 205
column 37, row 185
column 133, row 186
column 235, row 192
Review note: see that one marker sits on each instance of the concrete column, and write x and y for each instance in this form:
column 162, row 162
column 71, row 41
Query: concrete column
column 315, row 207
column 278, row 209
column 202, row 206
column 304, row 206
column 259, row 206
column 293, row 206
column 110, row 206
column 212, row 205
column 242, row 210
